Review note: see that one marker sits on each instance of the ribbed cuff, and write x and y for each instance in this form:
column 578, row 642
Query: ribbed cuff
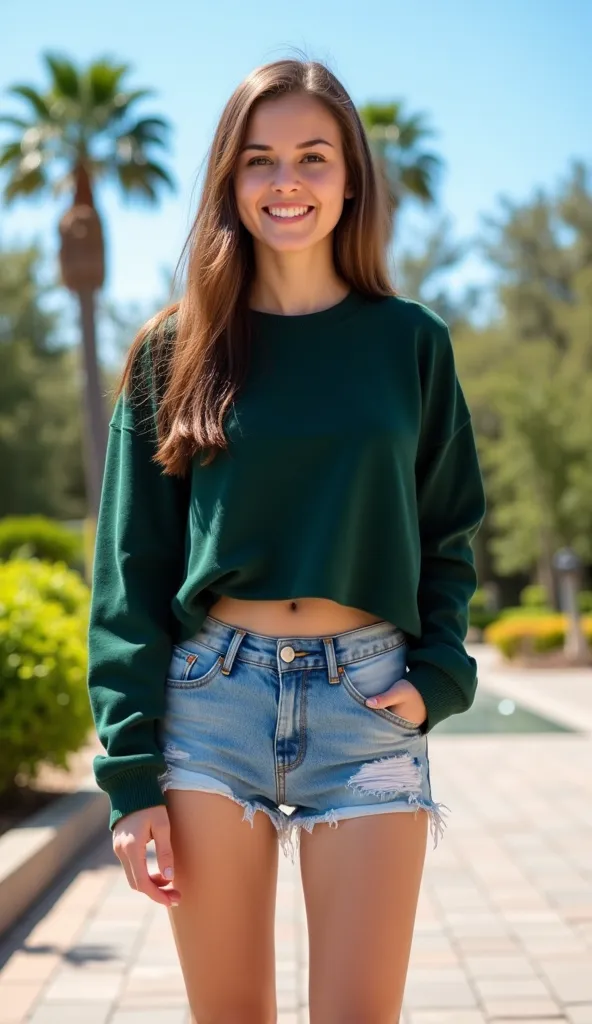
column 132, row 790
column 441, row 695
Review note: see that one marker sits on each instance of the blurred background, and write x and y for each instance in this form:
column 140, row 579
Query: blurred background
column 480, row 114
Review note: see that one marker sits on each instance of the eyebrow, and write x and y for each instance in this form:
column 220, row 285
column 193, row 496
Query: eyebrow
column 301, row 145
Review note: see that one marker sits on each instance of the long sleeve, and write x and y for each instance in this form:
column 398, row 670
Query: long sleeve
column 137, row 570
column 451, row 507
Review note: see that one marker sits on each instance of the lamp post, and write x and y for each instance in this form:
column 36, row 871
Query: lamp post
column 568, row 566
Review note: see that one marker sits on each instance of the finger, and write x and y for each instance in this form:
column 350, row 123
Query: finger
column 128, row 871
column 386, row 699
column 161, row 833
column 164, row 884
column 139, row 869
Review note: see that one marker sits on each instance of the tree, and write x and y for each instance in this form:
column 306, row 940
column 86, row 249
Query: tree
column 421, row 275
column 397, row 142
column 41, row 467
column 79, row 131
column 529, row 381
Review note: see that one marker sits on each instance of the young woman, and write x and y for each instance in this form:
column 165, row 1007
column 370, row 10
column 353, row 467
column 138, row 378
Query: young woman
column 283, row 569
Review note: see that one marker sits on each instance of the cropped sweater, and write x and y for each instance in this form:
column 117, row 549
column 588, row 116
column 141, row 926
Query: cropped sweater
column 351, row 474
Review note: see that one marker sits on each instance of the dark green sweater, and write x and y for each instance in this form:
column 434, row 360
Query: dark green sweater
column 351, row 474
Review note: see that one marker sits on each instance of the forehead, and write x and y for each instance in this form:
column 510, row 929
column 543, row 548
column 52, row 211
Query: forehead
column 288, row 120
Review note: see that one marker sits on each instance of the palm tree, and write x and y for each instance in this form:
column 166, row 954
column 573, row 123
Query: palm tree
column 397, row 143
column 82, row 130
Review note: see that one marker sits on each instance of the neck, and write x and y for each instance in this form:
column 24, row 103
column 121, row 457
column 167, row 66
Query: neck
column 296, row 283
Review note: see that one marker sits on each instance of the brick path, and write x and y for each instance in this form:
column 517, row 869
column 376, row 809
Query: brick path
column 504, row 927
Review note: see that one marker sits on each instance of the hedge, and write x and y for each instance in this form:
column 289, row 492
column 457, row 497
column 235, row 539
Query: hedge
column 44, row 707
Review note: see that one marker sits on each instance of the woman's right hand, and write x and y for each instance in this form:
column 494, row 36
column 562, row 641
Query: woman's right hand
column 131, row 834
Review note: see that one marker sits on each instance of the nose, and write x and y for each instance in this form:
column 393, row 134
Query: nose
column 284, row 180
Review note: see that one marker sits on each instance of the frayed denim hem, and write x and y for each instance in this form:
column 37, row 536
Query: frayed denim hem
column 278, row 818
column 413, row 803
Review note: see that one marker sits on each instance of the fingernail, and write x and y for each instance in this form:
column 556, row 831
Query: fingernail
column 168, row 872
column 174, row 903
column 372, row 702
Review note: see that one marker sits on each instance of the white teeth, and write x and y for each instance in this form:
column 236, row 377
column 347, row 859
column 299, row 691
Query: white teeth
column 288, row 211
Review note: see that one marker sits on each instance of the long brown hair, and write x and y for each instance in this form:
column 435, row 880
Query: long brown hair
column 207, row 353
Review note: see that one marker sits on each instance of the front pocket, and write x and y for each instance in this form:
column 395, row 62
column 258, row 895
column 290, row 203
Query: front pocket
column 193, row 665
column 373, row 675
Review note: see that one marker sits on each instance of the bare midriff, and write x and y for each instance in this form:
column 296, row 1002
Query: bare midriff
column 302, row 616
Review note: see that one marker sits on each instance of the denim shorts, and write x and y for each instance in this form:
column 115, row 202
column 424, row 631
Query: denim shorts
column 280, row 725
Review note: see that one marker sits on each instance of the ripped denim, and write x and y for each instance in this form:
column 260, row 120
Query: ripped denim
column 280, row 725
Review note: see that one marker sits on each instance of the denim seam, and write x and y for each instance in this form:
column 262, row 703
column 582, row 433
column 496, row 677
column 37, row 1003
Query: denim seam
column 374, row 654
column 196, row 684
column 302, row 725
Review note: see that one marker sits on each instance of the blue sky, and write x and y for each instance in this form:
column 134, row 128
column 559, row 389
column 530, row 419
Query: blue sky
column 506, row 85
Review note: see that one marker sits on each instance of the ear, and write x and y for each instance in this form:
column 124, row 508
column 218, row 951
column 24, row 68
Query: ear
column 349, row 192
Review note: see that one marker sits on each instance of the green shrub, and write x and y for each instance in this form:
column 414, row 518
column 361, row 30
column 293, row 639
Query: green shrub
column 39, row 537
column 535, row 596
column 585, row 602
column 44, row 708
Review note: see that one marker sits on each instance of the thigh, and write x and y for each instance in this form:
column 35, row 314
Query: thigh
column 226, row 872
column 361, row 886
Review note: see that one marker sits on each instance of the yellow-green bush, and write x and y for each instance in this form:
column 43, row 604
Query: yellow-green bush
column 50, row 581
column 44, row 707
column 532, row 633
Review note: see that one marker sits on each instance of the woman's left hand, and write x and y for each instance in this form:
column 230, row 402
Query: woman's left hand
column 404, row 700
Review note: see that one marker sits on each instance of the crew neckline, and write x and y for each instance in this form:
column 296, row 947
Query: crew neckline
column 322, row 317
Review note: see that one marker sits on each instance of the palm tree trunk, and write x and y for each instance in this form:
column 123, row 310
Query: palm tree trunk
column 95, row 420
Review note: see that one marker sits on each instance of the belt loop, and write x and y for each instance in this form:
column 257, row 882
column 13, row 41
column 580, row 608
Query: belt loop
column 331, row 659
column 233, row 647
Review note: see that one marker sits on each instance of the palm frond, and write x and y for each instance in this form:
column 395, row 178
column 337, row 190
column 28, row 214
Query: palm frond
column 102, row 79
column 66, row 81
column 159, row 173
column 14, row 122
column 10, row 153
column 35, row 98
column 417, row 182
column 149, row 124
column 413, row 130
column 124, row 100
column 25, row 184
column 134, row 182
column 143, row 179
column 380, row 113
column 146, row 133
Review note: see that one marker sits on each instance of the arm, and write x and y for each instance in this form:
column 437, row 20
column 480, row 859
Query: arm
column 451, row 506
column 137, row 569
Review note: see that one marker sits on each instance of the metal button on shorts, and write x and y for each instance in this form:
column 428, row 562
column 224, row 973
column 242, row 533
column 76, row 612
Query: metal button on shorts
column 287, row 654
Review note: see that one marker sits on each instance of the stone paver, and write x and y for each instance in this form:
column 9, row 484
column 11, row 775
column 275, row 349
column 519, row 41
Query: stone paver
column 504, row 924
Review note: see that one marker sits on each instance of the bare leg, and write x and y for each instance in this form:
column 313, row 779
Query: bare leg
column 226, row 872
column 361, row 886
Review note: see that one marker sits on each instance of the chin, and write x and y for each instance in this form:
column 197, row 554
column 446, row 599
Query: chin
column 290, row 244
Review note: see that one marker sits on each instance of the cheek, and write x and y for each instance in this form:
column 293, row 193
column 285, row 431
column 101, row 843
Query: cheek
column 246, row 192
column 329, row 187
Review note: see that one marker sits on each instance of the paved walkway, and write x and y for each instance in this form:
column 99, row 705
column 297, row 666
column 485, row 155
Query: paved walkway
column 504, row 926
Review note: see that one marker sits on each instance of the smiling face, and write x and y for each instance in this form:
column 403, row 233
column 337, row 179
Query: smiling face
column 291, row 177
